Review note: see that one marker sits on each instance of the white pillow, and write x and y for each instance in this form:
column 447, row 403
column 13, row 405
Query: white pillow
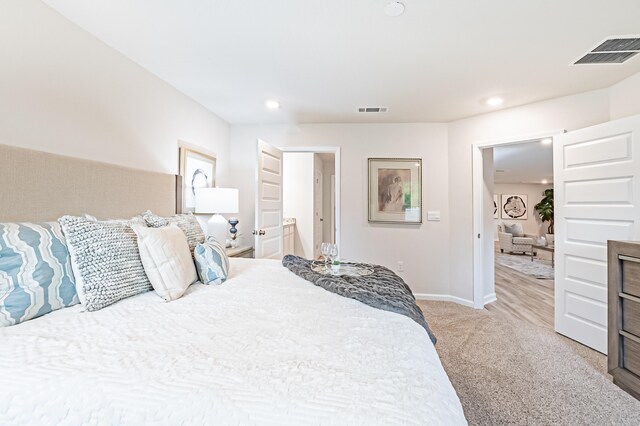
column 166, row 259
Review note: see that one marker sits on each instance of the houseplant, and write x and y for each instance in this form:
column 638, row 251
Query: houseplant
column 545, row 211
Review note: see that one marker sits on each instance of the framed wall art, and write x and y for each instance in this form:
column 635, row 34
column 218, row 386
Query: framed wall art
column 514, row 206
column 198, row 170
column 496, row 204
column 395, row 190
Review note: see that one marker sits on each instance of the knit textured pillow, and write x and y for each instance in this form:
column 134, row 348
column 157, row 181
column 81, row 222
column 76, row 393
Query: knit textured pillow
column 186, row 222
column 212, row 262
column 35, row 271
column 105, row 260
column 514, row 229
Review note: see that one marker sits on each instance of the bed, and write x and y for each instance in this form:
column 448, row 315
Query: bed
column 265, row 347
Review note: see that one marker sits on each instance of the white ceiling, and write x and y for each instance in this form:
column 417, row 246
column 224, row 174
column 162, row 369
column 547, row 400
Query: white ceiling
column 322, row 59
column 529, row 162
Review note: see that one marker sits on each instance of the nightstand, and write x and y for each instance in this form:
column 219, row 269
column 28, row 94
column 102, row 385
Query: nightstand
column 242, row 251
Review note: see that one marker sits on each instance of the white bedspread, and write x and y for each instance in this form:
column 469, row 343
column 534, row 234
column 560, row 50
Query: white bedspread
column 266, row 347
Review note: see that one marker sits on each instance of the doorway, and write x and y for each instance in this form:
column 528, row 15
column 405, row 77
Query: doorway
column 484, row 222
column 522, row 197
column 310, row 200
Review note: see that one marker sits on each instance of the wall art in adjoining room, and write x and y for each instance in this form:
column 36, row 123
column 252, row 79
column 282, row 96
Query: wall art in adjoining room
column 514, row 206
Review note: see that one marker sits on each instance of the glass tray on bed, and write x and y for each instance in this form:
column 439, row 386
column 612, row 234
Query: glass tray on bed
column 343, row 269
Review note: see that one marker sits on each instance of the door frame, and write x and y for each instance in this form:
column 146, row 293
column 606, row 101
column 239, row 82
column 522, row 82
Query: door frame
column 329, row 150
column 479, row 299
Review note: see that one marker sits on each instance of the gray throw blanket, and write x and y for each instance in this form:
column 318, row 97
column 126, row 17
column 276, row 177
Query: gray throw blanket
column 382, row 290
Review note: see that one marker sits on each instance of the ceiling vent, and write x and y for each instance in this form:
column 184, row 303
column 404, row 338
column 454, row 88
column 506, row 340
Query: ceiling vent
column 373, row 109
column 612, row 51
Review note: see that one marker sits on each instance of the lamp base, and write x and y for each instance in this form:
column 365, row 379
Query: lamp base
column 233, row 221
column 217, row 228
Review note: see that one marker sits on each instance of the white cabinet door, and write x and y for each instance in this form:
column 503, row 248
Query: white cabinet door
column 597, row 198
column 268, row 232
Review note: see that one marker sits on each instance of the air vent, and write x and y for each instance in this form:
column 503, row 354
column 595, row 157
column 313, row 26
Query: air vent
column 373, row 109
column 612, row 51
column 499, row 170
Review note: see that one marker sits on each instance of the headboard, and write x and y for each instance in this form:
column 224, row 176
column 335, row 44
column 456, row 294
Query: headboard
column 37, row 186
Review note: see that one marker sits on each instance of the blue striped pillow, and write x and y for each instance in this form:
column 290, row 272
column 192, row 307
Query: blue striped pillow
column 212, row 262
column 35, row 271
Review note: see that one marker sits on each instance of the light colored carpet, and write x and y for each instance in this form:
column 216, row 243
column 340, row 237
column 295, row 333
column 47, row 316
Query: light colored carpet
column 539, row 268
column 510, row 372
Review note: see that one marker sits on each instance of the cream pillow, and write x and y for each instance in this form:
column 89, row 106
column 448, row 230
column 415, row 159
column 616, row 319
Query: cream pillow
column 166, row 259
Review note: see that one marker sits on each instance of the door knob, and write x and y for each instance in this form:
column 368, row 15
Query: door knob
column 260, row 232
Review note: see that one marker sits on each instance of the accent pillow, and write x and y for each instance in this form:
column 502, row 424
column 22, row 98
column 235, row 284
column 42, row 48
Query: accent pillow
column 212, row 262
column 105, row 260
column 166, row 259
column 35, row 271
column 186, row 222
column 514, row 229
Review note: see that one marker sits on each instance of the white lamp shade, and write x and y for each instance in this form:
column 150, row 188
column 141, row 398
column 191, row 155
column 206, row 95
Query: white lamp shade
column 216, row 200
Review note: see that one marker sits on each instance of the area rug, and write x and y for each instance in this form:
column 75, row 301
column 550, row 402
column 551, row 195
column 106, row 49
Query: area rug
column 509, row 372
column 539, row 268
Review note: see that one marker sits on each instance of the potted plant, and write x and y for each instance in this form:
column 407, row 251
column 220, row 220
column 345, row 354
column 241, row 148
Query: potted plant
column 545, row 211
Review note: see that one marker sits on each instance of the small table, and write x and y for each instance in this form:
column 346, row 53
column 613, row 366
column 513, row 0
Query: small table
column 550, row 249
column 242, row 251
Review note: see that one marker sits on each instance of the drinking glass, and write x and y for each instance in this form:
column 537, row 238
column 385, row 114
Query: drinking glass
column 333, row 251
column 325, row 249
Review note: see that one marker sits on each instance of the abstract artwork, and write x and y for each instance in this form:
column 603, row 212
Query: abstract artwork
column 198, row 171
column 514, row 206
column 496, row 202
column 395, row 190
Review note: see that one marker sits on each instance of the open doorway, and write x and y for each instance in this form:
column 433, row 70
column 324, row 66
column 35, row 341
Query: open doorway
column 309, row 201
column 508, row 183
column 523, row 230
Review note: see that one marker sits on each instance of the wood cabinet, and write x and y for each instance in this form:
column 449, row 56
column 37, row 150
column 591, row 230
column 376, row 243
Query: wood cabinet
column 624, row 315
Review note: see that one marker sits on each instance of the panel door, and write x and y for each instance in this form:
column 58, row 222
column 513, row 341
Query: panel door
column 597, row 198
column 268, row 233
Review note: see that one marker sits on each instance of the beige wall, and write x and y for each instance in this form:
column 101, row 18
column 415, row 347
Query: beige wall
column 625, row 97
column 64, row 91
column 424, row 248
column 534, row 192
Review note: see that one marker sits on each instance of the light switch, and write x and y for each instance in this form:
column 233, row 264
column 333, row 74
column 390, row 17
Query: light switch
column 433, row 216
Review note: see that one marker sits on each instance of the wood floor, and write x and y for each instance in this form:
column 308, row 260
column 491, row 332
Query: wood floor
column 524, row 297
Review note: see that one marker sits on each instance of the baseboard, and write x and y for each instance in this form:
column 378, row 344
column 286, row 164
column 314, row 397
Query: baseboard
column 490, row 298
column 444, row 298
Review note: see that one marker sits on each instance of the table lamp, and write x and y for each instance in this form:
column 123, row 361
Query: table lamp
column 216, row 201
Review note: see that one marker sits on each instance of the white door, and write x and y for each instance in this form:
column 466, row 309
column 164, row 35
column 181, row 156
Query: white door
column 268, row 232
column 597, row 198
column 318, row 211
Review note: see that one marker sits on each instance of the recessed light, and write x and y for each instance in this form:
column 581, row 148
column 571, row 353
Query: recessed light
column 272, row 104
column 495, row 101
column 546, row 141
column 394, row 8
column 544, row 181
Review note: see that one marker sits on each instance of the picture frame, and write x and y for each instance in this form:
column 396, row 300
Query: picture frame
column 496, row 206
column 395, row 190
column 198, row 170
column 514, row 207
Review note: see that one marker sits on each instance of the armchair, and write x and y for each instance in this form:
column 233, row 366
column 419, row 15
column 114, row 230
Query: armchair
column 511, row 244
